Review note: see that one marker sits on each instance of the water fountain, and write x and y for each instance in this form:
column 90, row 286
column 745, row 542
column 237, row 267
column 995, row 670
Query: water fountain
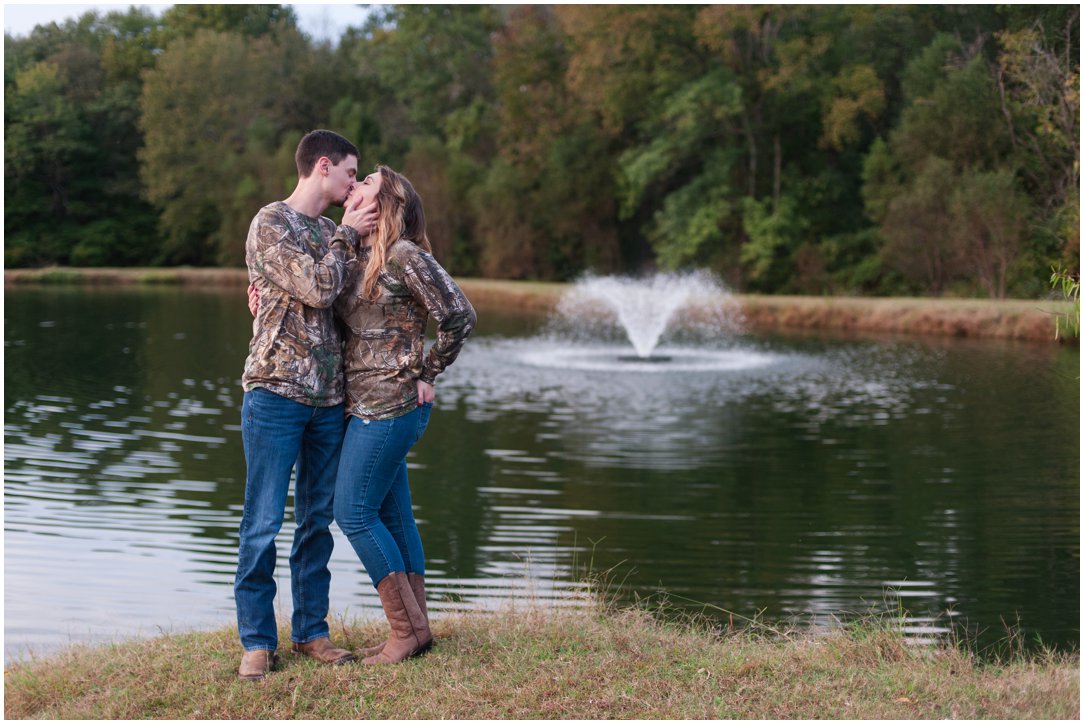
column 643, row 307
column 596, row 321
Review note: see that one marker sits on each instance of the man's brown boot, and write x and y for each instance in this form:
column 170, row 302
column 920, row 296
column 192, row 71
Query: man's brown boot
column 417, row 585
column 409, row 629
column 256, row 664
column 324, row 651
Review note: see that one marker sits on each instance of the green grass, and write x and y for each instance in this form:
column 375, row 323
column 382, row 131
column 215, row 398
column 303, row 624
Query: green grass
column 555, row 664
column 59, row 276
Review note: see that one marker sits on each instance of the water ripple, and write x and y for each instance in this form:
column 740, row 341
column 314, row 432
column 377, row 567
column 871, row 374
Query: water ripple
column 802, row 478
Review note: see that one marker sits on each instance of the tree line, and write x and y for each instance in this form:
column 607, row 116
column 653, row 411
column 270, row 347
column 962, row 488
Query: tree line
column 924, row 149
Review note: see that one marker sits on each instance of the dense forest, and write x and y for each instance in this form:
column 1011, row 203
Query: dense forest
column 919, row 149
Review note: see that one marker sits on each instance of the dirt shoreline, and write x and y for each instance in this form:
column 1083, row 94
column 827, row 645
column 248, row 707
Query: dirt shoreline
column 1020, row 319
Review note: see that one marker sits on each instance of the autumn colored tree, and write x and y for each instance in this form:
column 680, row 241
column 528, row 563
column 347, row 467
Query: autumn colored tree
column 1039, row 85
column 544, row 207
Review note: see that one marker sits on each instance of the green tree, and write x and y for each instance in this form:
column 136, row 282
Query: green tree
column 444, row 178
column 774, row 231
column 989, row 217
column 917, row 228
column 434, row 62
column 44, row 136
column 72, row 193
column 417, row 91
column 685, row 162
column 253, row 21
column 219, row 119
column 942, row 188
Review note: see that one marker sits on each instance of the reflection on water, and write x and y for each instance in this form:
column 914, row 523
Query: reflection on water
column 807, row 479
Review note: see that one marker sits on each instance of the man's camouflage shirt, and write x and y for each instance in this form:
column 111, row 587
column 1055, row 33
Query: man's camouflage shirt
column 299, row 265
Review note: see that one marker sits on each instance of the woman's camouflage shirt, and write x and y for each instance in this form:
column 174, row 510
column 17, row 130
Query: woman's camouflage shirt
column 383, row 341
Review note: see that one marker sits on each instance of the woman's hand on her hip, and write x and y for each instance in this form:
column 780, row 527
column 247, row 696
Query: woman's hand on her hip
column 426, row 393
column 253, row 299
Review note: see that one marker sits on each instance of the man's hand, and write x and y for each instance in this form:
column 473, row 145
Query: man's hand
column 362, row 219
column 426, row 393
column 253, row 299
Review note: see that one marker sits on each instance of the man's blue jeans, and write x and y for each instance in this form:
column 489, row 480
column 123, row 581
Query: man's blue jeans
column 278, row 432
column 372, row 494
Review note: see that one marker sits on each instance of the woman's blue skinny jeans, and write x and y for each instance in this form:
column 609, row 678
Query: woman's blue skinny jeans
column 372, row 494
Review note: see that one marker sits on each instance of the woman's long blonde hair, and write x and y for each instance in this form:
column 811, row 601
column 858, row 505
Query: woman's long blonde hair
column 401, row 217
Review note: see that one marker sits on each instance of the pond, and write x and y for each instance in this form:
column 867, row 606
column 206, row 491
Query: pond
column 813, row 479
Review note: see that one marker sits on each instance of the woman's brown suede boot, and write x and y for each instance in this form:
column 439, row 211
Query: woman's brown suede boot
column 417, row 585
column 409, row 629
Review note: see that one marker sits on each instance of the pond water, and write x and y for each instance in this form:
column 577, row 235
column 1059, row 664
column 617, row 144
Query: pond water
column 805, row 480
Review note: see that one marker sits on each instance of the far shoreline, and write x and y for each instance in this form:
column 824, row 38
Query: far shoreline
column 1019, row 319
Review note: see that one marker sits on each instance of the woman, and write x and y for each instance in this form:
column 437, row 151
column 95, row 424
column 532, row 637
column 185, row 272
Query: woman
column 389, row 396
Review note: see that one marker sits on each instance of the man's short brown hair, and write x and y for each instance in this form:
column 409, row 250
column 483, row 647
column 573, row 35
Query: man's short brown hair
column 322, row 143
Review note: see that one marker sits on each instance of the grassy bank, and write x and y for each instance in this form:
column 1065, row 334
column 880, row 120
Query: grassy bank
column 552, row 664
column 116, row 276
column 1006, row 319
column 1009, row 319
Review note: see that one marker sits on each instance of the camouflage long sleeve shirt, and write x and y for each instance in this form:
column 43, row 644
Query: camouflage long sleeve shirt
column 384, row 340
column 299, row 265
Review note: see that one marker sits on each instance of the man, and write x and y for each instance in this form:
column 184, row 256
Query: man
column 292, row 412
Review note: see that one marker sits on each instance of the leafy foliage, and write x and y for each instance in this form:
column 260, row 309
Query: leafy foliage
column 802, row 149
column 71, row 178
column 1069, row 286
column 214, row 116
